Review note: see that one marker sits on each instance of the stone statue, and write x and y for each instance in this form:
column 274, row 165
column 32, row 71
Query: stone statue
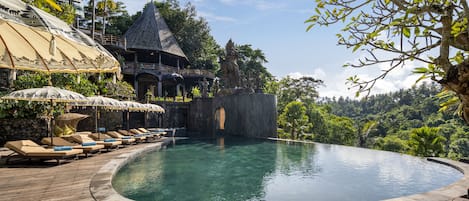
column 229, row 67
column 215, row 87
column 204, row 88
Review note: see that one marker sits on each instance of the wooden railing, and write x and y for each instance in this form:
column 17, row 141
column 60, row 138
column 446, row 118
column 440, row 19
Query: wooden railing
column 129, row 68
column 111, row 40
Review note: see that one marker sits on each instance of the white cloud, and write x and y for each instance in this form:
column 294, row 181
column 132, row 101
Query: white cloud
column 318, row 73
column 212, row 17
column 400, row 78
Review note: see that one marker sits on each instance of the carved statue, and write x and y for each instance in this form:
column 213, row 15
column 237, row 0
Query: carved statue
column 204, row 88
column 229, row 67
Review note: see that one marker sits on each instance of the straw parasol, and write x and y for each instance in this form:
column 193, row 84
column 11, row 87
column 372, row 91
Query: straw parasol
column 98, row 102
column 152, row 108
column 69, row 120
column 49, row 95
column 132, row 106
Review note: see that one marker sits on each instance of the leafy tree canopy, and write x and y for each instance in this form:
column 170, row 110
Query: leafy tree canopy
column 397, row 31
column 251, row 65
column 64, row 12
column 294, row 118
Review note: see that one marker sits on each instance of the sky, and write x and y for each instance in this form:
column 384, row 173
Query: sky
column 277, row 28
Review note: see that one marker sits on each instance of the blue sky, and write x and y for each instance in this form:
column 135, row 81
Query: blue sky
column 277, row 28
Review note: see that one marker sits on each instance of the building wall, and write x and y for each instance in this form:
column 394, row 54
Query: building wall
column 250, row 115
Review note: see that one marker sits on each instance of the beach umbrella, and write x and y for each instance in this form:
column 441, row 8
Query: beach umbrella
column 152, row 108
column 37, row 41
column 69, row 120
column 101, row 102
column 132, row 106
column 47, row 94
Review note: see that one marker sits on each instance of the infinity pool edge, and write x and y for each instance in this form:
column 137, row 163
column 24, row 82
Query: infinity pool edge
column 102, row 190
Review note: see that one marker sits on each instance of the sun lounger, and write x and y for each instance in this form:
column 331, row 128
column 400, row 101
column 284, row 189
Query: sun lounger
column 151, row 137
column 159, row 133
column 85, row 140
column 28, row 149
column 118, row 135
column 103, row 136
column 58, row 141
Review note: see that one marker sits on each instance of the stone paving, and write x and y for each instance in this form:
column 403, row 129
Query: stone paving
column 90, row 178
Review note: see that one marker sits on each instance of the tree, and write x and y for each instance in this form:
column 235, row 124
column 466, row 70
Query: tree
column 341, row 130
column 302, row 89
column 426, row 141
column 397, row 31
column 251, row 64
column 391, row 143
column 65, row 12
column 294, row 118
column 365, row 131
column 106, row 8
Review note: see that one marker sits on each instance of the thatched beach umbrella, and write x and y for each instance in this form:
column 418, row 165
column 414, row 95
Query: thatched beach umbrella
column 49, row 95
column 132, row 106
column 153, row 108
column 101, row 102
column 69, row 120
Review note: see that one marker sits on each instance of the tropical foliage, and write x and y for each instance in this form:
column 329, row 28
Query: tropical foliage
column 251, row 65
column 86, row 85
column 426, row 141
column 395, row 32
column 65, row 12
column 294, row 119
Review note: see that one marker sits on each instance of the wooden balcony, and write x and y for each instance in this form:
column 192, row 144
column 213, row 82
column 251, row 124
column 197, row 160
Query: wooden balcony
column 132, row 68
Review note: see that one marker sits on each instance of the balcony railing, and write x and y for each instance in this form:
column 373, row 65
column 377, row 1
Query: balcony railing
column 129, row 68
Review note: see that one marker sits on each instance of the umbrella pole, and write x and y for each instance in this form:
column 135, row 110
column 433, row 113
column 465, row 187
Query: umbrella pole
column 50, row 116
column 128, row 117
column 145, row 120
column 96, row 118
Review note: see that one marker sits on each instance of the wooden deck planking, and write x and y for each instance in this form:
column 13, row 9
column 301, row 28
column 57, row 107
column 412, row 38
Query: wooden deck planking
column 68, row 181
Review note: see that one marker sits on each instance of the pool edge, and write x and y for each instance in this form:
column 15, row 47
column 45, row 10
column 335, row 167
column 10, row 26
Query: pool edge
column 102, row 190
column 450, row 192
column 453, row 191
column 101, row 184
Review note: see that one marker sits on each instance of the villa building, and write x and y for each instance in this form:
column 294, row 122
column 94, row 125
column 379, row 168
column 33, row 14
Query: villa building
column 152, row 60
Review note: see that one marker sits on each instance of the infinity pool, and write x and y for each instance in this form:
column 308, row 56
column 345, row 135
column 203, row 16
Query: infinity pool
column 249, row 169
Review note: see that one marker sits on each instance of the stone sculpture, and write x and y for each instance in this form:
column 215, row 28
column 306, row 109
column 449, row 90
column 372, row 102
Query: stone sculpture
column 229, row 67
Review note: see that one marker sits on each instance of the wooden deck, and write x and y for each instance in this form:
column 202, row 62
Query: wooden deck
column 45, row 181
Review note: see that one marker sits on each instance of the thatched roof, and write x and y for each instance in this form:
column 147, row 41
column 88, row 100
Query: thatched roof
column 150, row 32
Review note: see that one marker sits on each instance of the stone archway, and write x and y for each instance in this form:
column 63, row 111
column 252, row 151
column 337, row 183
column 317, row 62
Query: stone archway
column 146, row 82
column 220, row 119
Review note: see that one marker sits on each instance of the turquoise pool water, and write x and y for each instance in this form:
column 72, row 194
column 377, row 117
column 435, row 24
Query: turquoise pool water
column 248, row 169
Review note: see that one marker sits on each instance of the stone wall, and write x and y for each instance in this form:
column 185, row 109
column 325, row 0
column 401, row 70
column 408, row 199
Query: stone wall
column 176, row 115
column 111, row 120
column 201, row 121
column 250, row 115
column 20, row 129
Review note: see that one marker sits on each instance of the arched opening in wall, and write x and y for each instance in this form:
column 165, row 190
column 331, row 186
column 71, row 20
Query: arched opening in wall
column 220, row 118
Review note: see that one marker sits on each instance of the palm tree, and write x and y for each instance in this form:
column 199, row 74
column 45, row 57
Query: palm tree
column 367, row 128
column 426, row 141
column 93, row 17
column 105, row 7
column 41, row 3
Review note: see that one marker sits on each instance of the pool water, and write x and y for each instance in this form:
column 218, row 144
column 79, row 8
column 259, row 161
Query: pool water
column 250, row 169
